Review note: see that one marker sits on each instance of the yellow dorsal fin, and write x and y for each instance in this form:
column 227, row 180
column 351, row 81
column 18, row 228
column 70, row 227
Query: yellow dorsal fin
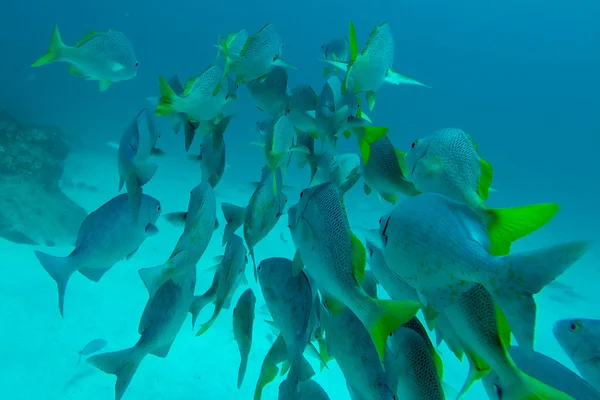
column 89, row 36
column 189, row 86
column 359, row 258
column 485, row 179
column 506, row 225
column 353, row 44
column 439, row 364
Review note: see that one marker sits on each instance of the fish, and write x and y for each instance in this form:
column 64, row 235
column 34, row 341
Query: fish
column 580, row 338
column 135, row 147
column 289, row 299
column 268, row 369
column 279, row 143
column 370, row 68
column 260, row 216
column 105, row 56
column 93, row 346
column 197, row 100
column 212, row 153
column 335, row 258
column 106, row 236
column 200, row 221
column 178, row 120
column 485, row 335
column 349, row 342
column 243, row 322
column 335, row 50
column 231, row 275
column 270, row 95
column 544, row 369
column 386, row 172
column 161, row 321
column 343, row 170
column 261, row 52
column 301, row 106
column 235, row 42
column 448, row 162
column 441, row 248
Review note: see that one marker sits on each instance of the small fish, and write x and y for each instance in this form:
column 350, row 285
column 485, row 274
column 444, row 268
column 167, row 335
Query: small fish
column 106, row 57
column 178, row 120
column 269, row 370
column 234, row 43
column 279, row 143
column 243, row 322
column 260, row 216
column 212, row 153
column 106, row 236
column 372, row 67
column 93, row 346
column 197, row 100
column 231, row 276
column 544, row 369
column 135, row 147
column 270, row 94
column 199, row 224
column 386, row 172
column 448, row 162
column 335, row 50
column 336, row 259
column 289, row 300
column 342, row 170
column 261, row 52
column 161, row 321
column 424, row 243
column 580, row 339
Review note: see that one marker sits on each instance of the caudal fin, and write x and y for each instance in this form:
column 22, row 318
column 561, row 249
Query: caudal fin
column 522, row 275
column 54, row 51
column 388, row 316
column 60, row 270
column 234, row 216
column 122, row 363
column 528, row 388
column 506, row 225
column 168, row 98
column 368, row 135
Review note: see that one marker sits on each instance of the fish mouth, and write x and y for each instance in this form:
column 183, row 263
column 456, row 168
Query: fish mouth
column 422, row 156
column 383, row 233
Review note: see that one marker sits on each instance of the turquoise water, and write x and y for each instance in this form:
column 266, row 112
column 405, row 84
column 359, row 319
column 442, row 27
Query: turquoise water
column 521, row 77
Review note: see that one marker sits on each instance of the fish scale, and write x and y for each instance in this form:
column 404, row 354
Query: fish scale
column 111, row 45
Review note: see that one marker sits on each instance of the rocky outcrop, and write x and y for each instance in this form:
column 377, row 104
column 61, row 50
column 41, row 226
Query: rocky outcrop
column 33, row 209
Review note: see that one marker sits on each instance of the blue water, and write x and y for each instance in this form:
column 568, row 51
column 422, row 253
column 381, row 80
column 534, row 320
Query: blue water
column 522, row 77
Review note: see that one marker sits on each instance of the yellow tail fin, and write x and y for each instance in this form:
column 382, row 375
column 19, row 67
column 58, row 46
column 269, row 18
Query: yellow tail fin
column 167, row 98
column 392, row 314
column 53, row 54
column 509, row 224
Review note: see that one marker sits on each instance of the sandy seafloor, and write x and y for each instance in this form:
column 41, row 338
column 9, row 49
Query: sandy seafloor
column 38, row 349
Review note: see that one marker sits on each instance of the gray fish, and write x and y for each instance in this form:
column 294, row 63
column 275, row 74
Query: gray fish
column 243, row 322
column 199, row 224
column 386, row 172
column 106, row 236
column 270, row 94
column 261, row 214
column 212, row 153
column 93, row 346
column 580, row 339
column 161, row 321
column 544, row 369
column 335, row 50
column 231, row 275
column 289, row 299
column 343, row 170
column 134, row 149
column 302, row 102
column 106, row 56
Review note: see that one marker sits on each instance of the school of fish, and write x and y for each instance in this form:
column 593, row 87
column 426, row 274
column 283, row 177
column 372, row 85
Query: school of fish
column 440, row 250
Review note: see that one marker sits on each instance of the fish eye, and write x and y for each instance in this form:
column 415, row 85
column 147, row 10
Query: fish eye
column 371, row 255
column 413, row 144
column 274, row 58
column 137, row 63
column 380, row 219
column 302, row 193
column 237, row 86
column 575, row 325
column 158, row 208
